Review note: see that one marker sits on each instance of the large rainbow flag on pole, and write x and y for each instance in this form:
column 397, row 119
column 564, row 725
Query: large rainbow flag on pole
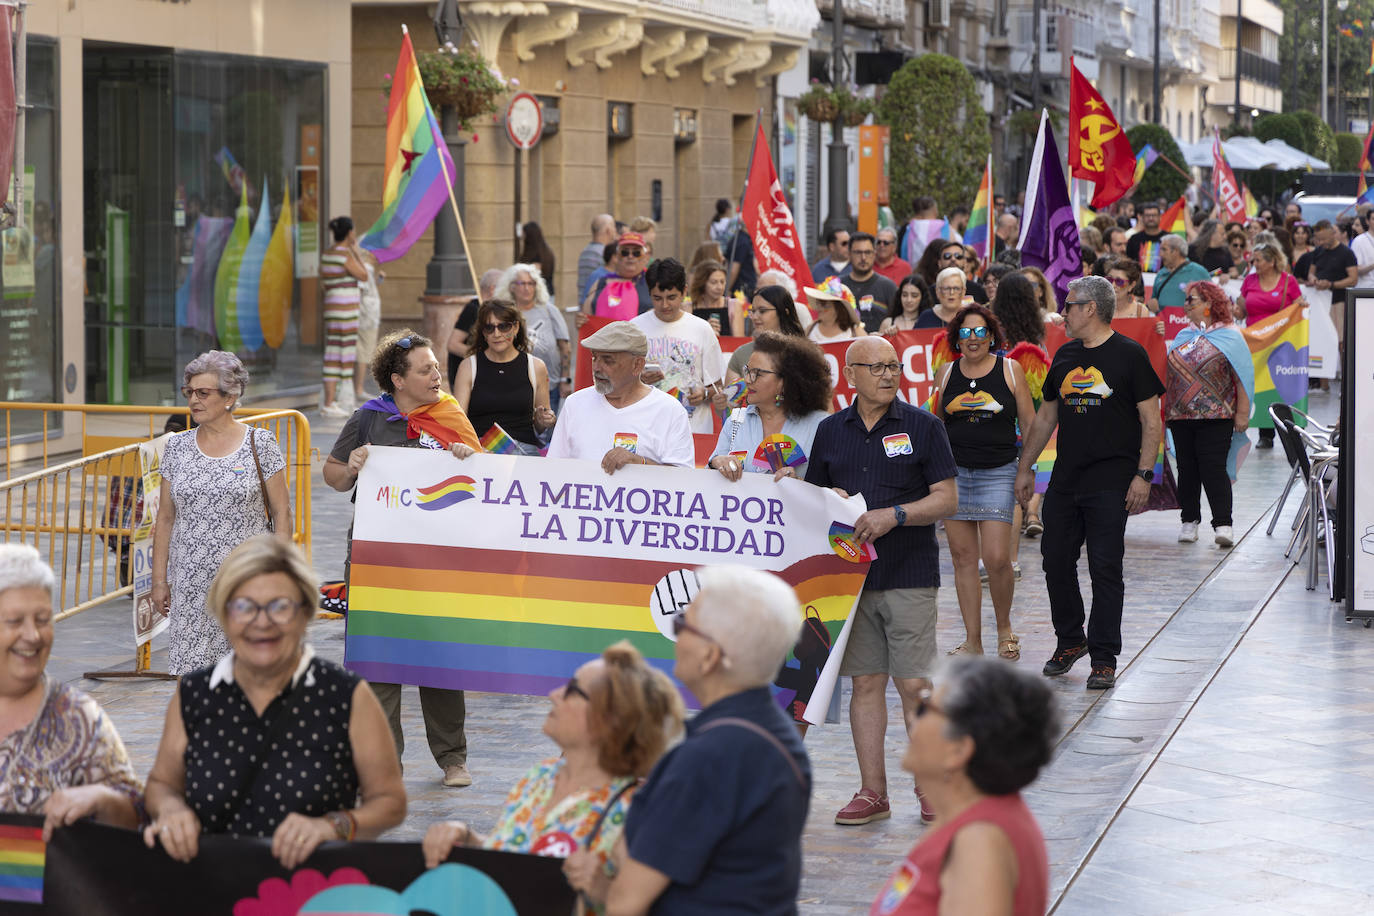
column 505, row 574
column 1278, row 345
column 419, row 170
column 980, row 220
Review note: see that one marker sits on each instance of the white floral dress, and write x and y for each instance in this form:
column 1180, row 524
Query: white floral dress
column 218, row 506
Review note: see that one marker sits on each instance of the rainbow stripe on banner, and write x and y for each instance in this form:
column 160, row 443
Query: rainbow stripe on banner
column 21, row 863
column 1278, row 345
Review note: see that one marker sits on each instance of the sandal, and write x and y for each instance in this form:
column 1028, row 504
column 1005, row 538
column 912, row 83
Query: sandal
column 1009, row 647
column 962, row 649
column 1034, row 526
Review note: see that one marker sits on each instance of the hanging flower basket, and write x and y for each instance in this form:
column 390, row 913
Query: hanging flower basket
column 461, row 79
column 818, row 104
column 854, row 109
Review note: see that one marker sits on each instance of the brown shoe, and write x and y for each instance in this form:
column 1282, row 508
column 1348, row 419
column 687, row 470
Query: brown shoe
column 864, row 807
column 457, row 776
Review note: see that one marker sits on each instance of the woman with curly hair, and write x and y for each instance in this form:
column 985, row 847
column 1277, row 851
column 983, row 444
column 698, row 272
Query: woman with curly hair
column 982, row 397
column 788, row 395
column 1018, row 311
column 1209, row 387
column 1044, row 296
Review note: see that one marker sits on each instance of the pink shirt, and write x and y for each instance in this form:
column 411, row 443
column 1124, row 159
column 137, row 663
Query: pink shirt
column 1260, row 304
column 914, row 889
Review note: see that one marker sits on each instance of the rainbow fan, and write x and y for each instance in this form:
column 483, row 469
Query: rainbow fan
column 779, row 451
column 846, row 544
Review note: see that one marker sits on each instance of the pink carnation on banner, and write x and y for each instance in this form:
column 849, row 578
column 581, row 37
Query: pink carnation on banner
column 277, row 898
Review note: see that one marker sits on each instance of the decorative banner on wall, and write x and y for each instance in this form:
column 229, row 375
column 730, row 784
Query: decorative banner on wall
column 504, row 574
column 227, row 277
column 104, row 871
column 245, row 304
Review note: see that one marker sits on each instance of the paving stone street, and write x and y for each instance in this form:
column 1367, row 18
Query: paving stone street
column 1223, row 774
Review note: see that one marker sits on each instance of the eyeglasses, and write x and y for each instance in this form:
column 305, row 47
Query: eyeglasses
column 880, row 369
column 201, row 393
column 980, row 333
column 761, row 310
column 1119, row 282
column 1070, row 303
column 246, row 610
column 501, row 327
column 574, row 689
column 681, row 625
column 630, row 252
column 1237, row 244
column 752, row 374
column 842, row 243
column 925, row 704
column 951, row 256
column 522, row 283
column 949, row 289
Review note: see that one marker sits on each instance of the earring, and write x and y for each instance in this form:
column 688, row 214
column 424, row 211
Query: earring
column 777, row 399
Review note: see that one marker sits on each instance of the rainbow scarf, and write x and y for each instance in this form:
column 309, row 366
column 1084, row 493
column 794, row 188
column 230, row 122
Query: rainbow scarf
column 444, row 420
column 419, row 170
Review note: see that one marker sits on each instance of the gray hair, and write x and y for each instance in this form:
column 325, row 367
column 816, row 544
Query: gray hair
column 22, row 567
column 1176, row 242
column 777, row 278
column 490, row 278
column 233, row 378
column 754, row 616
column 951, row 272
column 1101, row 292
column 541, row 289
column 889, row 230
column 1011, row 716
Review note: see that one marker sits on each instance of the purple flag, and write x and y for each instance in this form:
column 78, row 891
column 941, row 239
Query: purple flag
column 1049, row 234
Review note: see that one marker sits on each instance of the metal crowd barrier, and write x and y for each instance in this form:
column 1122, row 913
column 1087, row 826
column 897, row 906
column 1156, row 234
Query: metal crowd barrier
column 81, row 514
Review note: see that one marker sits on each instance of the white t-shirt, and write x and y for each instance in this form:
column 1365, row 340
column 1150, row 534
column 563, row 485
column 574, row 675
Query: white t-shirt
column 818, row 335
column 1363, row 246
column 688, row 352
column 654, row 427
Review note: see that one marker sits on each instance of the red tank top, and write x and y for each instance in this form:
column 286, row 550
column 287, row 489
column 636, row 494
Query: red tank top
column 914, row 888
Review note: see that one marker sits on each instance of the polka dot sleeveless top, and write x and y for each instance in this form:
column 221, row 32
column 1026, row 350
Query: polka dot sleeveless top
column 245, row 773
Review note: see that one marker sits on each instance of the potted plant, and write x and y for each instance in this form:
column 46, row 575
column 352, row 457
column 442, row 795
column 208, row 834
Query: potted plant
column 458, row 77
column 854, row 109
column 818, row 103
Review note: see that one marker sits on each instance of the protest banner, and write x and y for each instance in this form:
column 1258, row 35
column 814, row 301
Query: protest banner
column 1278, row 345
column 504, row 574
column 93, row 870
column 21, row 863
column 914, row 352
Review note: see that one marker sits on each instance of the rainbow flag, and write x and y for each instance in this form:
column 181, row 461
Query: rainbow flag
column 1370, row 68
column 418, row 177
column 1144, row 159
column 737, row 393
column 21, row 863
column 1251, row 205
column 1278, row 346
column 1175, row 219
column 499, row 442
column 977, row 233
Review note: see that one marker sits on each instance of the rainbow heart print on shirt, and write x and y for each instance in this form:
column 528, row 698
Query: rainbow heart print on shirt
column 974, row 400
column 1082, row 381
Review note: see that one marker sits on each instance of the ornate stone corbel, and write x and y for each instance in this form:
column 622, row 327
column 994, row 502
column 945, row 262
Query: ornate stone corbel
column 781, row 62
column 718, row 59
column 601, row 38
column 487, row 22
column 659, row 45
column 535, row 32
column 630, row 37
column 694, row 49
column 752, row 55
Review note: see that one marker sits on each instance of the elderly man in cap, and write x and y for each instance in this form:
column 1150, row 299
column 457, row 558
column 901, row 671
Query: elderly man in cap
column 625, row 294
column 621, row 420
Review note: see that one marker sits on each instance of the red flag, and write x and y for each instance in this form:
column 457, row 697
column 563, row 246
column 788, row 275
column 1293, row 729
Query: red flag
column 1225, row 185
column 1098, row 149
column 768, row 220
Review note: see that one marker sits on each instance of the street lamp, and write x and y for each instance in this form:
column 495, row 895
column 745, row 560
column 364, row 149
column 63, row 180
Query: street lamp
column 839, row 153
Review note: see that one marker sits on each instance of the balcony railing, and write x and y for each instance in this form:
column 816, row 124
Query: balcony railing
column 1252, row 67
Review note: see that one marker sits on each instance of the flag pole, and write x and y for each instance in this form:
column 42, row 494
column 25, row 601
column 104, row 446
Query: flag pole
column 739, row 211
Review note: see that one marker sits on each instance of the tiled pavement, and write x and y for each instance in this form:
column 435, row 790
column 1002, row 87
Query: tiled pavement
column 1223, row 774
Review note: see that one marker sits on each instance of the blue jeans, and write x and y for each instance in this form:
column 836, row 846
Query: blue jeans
column 1099, row 519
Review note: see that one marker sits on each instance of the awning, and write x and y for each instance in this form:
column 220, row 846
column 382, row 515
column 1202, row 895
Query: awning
column 1249, row 153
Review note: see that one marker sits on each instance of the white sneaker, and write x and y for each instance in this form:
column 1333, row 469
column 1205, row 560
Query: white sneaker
column 1188, row 533
column 335, row 412
column 1224, row 536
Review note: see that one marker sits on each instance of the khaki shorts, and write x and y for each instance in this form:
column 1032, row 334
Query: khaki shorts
column 893, row 633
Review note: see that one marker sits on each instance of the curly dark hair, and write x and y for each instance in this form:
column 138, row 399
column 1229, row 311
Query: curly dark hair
column 1218, row 305
column 393, row 357
column 1016, row 311
column 999, row 340
column 501, row 310
column 805, row 374
column 1010, row 715
column 929, row 264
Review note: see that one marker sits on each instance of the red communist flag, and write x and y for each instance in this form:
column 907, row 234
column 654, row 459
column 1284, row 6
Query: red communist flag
column 1098, row 149
column 768, row 220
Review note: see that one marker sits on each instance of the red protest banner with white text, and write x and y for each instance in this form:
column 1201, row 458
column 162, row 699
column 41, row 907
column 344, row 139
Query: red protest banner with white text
column 914, row 350
column 768, row 219
column 1175, row 319
column 1143, row 331
column 1224, row 182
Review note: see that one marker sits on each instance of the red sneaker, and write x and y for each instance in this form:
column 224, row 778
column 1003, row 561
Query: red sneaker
column 865, row 806
column 927, row 812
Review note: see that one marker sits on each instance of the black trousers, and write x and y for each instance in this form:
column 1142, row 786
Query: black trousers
column 1099, row 519
column 1201, row 447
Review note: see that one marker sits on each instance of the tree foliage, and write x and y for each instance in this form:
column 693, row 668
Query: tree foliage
column 1285, row 127
column 1161, row 181
column 1319, row 139
column 939, row 133
column 1348, row 149
column 1302, row 86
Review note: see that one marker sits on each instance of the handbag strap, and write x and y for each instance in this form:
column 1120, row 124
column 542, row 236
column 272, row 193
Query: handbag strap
column 262, row 481
column 605, row 812
column 766, row 735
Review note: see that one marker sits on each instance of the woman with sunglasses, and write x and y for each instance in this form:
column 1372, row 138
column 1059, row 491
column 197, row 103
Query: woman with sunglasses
column 939, row 256
column 212, row 500
column 503, row 384
column 1238, row 244
column 787, row 395
column 1125, row 277
column 545, row 328
column 983, row 398
column 612, row 721
column 413, row 412
column 272, row 741
column 981, row 737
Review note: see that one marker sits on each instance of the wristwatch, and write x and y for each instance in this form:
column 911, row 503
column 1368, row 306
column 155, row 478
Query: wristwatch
column 1146, row 474
column 898, row 511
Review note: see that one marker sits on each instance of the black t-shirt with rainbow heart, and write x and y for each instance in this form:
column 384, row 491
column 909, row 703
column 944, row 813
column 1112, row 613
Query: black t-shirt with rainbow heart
column 1098, row 390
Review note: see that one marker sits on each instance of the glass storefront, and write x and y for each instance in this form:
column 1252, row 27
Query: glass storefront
column 30, row 275
column 203, row 182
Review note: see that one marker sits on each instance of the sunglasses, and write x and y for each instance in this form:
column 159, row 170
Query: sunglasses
column 925, row 704
column 246, row 610
column 980, row 333
column 1119, row 282
column 202, row 393
column 951, row 256
column 631, row 252
column 885, row 242
column 405, row 343
column 501, row 327
column 680, row 626
column 574, row 689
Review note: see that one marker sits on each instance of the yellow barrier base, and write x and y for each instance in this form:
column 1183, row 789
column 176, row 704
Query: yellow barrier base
column 142, row 668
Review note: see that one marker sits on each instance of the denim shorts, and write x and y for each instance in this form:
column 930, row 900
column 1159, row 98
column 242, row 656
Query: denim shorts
column 986, row 494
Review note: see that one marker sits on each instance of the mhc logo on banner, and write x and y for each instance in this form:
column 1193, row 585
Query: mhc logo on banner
column 505, row 574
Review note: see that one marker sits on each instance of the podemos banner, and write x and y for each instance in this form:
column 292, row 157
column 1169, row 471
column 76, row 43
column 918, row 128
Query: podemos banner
column 505, row 574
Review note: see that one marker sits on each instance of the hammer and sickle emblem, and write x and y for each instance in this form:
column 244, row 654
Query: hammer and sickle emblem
column 1094, row 131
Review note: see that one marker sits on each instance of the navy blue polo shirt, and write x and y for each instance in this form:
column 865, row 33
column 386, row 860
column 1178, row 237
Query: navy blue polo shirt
column 894, row 462
column 722, row 814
